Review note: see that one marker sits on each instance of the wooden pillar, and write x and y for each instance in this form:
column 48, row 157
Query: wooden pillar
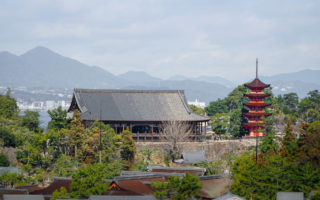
column 152, row 133
column 205, row 128
column 116, row 128
column 122, row 127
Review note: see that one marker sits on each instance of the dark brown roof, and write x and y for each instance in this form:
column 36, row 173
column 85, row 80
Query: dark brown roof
column 123, row 197
column 55, row 185
column 256, row 95
column 133, row 105
column 257, row 84
column 212, row 186
column 30, row 188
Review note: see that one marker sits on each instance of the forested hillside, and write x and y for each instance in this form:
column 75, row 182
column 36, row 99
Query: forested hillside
column 285, row 162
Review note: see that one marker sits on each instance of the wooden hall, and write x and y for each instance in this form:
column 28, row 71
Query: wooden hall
column 143, row 112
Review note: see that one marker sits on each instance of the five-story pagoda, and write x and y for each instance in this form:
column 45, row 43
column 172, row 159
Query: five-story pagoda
column 256, row 106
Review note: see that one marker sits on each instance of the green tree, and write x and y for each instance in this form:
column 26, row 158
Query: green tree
column 232, row 106
column 309, row 107
column 7, row 137
column 12, row 179
column 110, row 142
column 60, row 194
column 268, row 144
column 76, row 134
column 8, row 106
column 219, row 106
column 197, row 110
column 185, row 188
column 316, row 196
column 4, row 161
column 235, row 99
column 128, row 148
column 291, row 101
column 90, row 180
column 220, row 123
column 308, row 145
column 30, row 119
column 65, row 166
column 289, row 143
column 212, row 168
column 295, row 167
column 236, row 119
column 58, row 119
column 262, row 180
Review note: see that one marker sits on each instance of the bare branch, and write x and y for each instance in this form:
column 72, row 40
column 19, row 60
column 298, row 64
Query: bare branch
column 174, row 132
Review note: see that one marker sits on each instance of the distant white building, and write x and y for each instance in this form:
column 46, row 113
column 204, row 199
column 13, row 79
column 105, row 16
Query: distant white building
column 36, row 105
column 62, row 103
column 50, row 104
column 197, row 103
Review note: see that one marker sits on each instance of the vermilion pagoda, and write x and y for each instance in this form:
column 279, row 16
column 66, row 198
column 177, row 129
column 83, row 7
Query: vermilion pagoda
column 256, row 106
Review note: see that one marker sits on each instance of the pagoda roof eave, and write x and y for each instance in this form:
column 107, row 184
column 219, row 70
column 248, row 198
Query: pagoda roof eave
column 257, row 84
column 256, row 114
column 257, row 104
column 251, row 125
column 256, row 95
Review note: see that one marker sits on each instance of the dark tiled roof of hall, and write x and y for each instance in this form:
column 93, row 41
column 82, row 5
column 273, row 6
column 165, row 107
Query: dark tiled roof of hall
column 133, row 105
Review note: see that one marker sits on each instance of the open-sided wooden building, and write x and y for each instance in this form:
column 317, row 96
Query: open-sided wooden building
column 143, row 112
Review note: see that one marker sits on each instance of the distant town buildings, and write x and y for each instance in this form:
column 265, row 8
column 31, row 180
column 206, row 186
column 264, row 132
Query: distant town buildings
column 43, row 105
column 197, row 103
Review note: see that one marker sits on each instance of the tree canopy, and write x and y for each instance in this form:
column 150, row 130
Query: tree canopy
column 178, row 188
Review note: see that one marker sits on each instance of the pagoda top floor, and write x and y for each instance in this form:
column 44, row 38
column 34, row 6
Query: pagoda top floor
column 257, row 85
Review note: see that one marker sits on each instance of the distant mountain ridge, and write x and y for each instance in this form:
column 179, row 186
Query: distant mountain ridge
column 138, row 77
column 41, row 67
column 307, row 76
column 300, row 82
column 209, row 79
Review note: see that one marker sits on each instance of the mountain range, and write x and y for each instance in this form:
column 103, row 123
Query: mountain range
column 41, row 67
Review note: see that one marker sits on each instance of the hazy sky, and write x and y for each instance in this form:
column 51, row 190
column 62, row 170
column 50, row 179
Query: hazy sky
column 173, row 37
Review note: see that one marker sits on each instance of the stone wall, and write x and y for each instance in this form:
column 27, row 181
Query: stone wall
column 214, row 150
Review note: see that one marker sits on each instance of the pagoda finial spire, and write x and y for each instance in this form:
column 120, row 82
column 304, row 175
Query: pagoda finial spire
column 256, row 67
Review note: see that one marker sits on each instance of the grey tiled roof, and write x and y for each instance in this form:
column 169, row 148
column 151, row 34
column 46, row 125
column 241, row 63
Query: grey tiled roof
column 192, row 157
column 229, row 196
column 290, row 196
column 122, row 198
column 133, row 105
column 180, row 168
column 22, row 197
column 210, row 177
column 10, row 170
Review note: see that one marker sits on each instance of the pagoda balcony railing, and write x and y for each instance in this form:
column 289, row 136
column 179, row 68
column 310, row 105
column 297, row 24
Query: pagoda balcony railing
column 257, row 94
column 257, row 114
column 257, row 104
column 247, row 125
column 255, row 122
